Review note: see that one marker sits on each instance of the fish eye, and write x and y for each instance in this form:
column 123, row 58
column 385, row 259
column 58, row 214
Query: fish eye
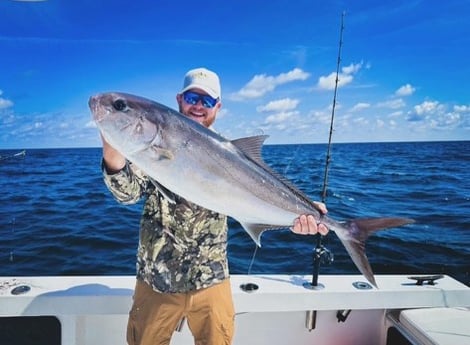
column 119, row 105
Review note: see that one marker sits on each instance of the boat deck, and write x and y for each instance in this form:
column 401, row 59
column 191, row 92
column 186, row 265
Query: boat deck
column 92, row 309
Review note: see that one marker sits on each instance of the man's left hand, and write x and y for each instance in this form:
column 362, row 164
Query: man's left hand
column 306, row 224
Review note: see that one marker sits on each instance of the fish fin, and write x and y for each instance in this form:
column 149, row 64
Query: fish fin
column 251, row 146
column 356, row 233
column 170, row 196
column 256, row 230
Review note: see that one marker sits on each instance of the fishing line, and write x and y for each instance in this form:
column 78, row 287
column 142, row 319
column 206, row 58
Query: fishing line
column 255, row 251
column 13, row 222
column 252, row 260
column 22, row 157
column 291, row 160
column 250, row 287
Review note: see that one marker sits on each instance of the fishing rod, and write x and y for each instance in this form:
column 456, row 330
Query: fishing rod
column 321, row 254
column 328, row 152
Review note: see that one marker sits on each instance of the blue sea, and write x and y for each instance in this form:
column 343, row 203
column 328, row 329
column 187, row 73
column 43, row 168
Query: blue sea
column 57, row 217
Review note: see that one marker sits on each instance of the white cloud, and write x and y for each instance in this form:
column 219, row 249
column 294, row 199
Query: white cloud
column 295, row 74
column 321, row 116
column 352, row 68
column 360, row 121
column 360, row 106
column 434, row 115
column 4, row 103
column 280, row 117
column 426, row 107
column 328, row 82
column 345, row 77
column 392, row 104
column 462, row 108
column 405, row 90
column 261, row 84
column 279, row 105
column 395, row 114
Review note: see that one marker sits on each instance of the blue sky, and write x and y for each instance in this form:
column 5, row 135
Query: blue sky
column 403, row 75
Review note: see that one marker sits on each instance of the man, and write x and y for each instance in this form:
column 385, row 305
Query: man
column 182, row 268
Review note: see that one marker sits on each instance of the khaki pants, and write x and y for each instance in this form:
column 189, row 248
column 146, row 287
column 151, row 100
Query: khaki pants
column 154, row 316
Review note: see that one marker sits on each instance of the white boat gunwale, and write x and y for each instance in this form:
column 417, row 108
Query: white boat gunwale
column 94, row 309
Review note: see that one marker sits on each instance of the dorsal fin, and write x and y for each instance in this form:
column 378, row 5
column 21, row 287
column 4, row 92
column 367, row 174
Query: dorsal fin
column 251, row 146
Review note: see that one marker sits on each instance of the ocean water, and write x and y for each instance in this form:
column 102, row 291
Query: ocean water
column 57, row 217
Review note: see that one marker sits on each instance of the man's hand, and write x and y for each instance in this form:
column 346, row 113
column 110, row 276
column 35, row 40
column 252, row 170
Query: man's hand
column 306, row 224
column 113, row 160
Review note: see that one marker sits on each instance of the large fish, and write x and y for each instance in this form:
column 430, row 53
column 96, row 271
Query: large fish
column 226, row 176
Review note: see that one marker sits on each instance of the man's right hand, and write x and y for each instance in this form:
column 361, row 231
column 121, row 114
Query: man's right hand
column 113, row 159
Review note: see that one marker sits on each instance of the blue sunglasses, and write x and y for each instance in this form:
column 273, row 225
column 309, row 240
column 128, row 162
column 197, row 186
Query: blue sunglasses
column 193, row 98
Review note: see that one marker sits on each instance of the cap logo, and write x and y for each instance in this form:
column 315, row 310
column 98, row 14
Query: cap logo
column 200, row 74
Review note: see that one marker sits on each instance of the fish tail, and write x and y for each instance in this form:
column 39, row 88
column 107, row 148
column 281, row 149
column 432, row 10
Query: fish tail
column 354, row 233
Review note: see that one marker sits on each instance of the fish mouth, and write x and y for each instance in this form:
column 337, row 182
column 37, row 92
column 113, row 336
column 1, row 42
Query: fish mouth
column 92, row 102
column 96, row 107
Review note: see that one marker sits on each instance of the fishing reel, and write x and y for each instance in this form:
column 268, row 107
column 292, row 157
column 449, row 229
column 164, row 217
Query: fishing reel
column 323, row 255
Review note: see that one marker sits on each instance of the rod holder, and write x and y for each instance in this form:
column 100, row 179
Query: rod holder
column 249, row 287
column 311, row 320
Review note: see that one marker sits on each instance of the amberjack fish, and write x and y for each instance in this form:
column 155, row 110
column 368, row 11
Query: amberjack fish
column 225, row 176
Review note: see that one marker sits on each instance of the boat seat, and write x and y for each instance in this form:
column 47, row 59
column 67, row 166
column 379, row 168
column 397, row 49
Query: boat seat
column 437, row 326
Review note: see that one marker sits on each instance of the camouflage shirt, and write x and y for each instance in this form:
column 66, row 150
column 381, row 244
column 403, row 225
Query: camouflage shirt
column 182, row 246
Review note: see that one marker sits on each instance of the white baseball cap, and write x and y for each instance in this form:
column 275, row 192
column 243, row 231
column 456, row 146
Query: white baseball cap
column 202, row 78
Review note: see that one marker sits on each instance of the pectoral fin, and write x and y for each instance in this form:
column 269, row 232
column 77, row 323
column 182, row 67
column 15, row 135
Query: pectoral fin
column 256, row 230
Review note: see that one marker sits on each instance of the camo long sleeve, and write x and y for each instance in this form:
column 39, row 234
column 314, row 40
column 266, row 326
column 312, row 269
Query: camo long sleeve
column 182, row 246
column 127, row 185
